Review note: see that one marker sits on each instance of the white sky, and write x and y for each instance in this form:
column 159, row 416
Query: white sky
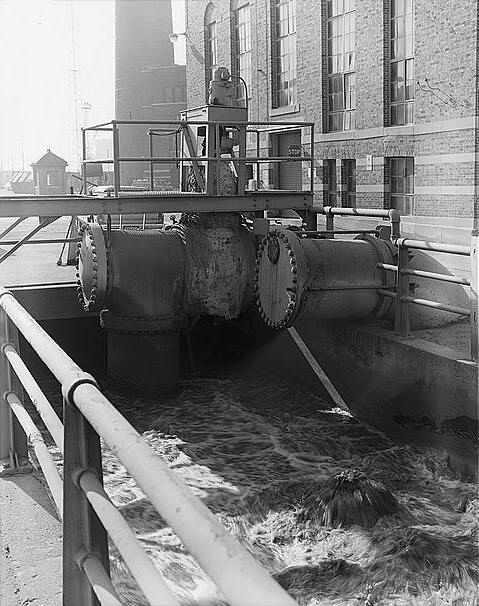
column 37, row 108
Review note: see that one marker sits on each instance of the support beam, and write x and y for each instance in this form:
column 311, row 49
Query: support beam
column 131, row 204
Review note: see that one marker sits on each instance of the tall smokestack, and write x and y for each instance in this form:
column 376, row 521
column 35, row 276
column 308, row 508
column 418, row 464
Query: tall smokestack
column 146, row 77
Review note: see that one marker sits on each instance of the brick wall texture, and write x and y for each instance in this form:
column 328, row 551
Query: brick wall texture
column 442, row 137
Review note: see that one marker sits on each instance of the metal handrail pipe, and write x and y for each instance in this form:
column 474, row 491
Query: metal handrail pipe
column 27, row 237
column 44, row 457
column 95, row 126
column 38, row 398
column 142, row 568
column 11, row 227
column 53, row 241
column 337, row 231
column 57, row 361
column 171, row 159
column 36, row 284
column 241, row 579
column 99, row 580
column 238, row 575
column 361, row 212
column 436, row 305
column 426, row 274
column 206, row 122
column 456, row 249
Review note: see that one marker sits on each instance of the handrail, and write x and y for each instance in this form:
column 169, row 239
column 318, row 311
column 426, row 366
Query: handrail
column 239, row 577
column 38, row 398
column 43, row 455
column 402, row 295
column 385, row 213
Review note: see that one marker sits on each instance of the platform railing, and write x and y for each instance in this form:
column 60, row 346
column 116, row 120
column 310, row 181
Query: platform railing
column 381, row 213
column 403, row 298
column 87, row 511
column 213, row 162
column 70, row 238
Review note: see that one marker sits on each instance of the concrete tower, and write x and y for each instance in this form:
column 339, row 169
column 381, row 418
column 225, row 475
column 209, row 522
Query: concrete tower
column 148, row 84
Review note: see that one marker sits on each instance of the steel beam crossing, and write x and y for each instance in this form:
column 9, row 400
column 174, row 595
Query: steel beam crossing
column 24, row 206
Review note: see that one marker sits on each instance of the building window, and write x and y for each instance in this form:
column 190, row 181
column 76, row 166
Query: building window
column 242, row 48
column 402, row 62
column 211, row 44
column 349, row 181
column 331, row 183
column 402, row 185
column 284, row 52
column 168, row 94
column 341, row 74
column 52, row 177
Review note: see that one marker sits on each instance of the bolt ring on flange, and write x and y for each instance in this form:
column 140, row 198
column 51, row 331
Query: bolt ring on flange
column 269, row 258
column 92, row 263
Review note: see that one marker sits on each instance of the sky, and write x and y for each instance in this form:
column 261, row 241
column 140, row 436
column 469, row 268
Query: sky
column 37, row 77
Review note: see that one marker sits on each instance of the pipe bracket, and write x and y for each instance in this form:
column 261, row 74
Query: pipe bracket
column 69, row 386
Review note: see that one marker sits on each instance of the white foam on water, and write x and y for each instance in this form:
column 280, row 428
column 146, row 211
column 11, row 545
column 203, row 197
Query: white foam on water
column 258, row 453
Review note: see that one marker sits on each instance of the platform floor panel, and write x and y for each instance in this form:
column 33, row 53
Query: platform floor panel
column 31, row 543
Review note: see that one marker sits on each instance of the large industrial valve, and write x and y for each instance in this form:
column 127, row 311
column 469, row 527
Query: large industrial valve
column 300, row 278
column 148, row 284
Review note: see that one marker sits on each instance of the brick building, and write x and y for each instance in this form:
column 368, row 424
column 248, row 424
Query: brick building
column 390, row 85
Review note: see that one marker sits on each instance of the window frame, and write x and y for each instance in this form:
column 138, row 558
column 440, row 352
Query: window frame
column 210, row 44
column 401, row 63
column 331, row 177
column 284, row 96
column 343, row 117
column 401, row 184
column 238, row 55
column 349, row 182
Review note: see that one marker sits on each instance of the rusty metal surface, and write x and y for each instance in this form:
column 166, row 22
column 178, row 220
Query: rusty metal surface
column 219, row 254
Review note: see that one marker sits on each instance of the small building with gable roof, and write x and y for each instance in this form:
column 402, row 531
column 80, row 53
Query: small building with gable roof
column 49, row 175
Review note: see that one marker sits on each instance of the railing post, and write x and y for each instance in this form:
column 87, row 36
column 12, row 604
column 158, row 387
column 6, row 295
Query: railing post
column 13, row 442
column 82, row 530
column 329, row 221
column 116, row 163
column 473, row 292
column 401, row 317
column 83, row 165
column 395, row 219
column 150, row 147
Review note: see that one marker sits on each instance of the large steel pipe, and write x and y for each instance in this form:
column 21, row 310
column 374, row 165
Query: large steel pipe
column 136, row 278
column 303, row 278
column 148, row 284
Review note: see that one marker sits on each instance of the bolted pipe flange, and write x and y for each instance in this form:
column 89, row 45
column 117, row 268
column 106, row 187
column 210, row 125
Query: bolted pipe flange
column 280, row 256
column 93, row 266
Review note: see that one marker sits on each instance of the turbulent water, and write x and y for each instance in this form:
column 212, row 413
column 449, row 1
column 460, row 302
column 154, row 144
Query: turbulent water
column 268, row 459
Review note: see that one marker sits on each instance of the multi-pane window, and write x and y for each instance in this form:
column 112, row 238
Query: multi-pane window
column 402, row 62
column 402, row 185
column 284, row 49
column 331, row 182
column 349, row 181
column 341, row 74
column 242, row 48
column 211, row 44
